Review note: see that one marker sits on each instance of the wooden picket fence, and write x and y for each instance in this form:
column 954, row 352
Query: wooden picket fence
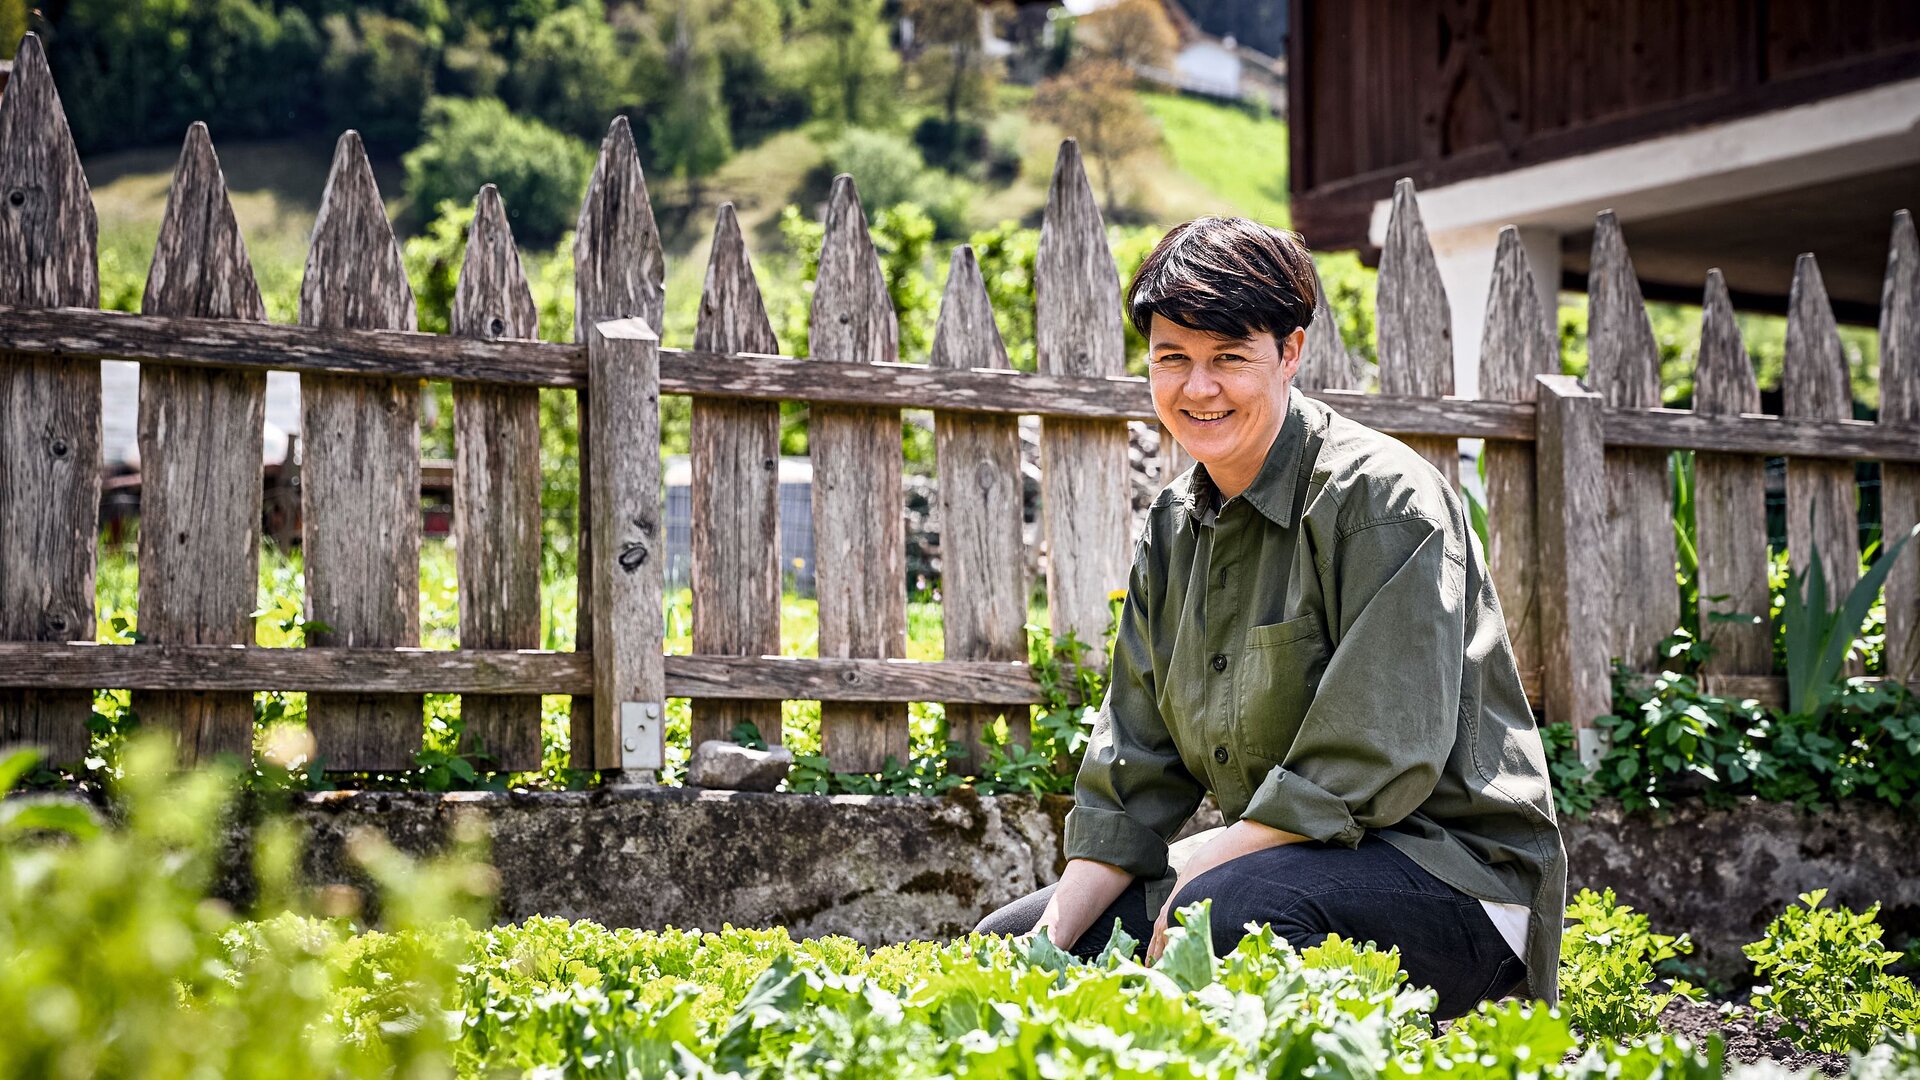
column 1580, row 530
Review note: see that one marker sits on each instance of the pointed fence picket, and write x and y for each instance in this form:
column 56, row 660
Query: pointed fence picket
column 1623, row 366
column 496, row 498
column 1814, row 385
column 360, row 471
column 983, row 564
column 1083, row 462
column 1900, row 412
column 1580, row 535
column 619, row 271
column 1518, row 346
column 49, row 407
column 735, row 455
column 1415, row 326
column 200, row 432
column 1729, row 503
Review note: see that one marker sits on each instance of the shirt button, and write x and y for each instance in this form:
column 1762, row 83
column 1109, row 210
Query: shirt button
column 1220, row 754
column 1219, row 661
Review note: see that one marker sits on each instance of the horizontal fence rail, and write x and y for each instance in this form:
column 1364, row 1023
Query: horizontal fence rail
column 386, row 354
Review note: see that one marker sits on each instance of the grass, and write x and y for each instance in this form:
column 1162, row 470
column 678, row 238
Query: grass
column 1238, row 161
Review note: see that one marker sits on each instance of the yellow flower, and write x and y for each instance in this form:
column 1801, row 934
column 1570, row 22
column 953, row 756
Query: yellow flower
column 1117, row 594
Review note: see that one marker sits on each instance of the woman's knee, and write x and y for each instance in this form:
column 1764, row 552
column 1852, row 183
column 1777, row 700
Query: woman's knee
column 1018, row 917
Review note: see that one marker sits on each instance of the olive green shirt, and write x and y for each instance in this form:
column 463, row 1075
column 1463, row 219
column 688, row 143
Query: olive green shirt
column 1324, row 653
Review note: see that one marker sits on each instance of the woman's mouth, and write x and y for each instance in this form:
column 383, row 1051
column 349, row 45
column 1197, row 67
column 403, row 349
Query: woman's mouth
column 1207, row 417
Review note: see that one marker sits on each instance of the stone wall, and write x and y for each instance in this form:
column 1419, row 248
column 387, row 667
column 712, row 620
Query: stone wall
column 885, row 869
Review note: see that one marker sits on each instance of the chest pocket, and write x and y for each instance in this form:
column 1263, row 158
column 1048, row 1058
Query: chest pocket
column 1279, row 675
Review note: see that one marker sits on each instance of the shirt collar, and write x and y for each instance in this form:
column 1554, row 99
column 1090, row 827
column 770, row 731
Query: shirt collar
column 1273, row 487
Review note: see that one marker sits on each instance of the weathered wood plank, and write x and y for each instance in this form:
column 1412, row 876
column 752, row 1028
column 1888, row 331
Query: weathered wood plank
column 199, row 435
column 628, row 568
column 496, row 498
column 1575, row 683
column 1814, row 385
column 218, row 668
column 619, row 272
column 1624, row 367
column 859, row 525
column 1518, row 345
column 1730, row 502
column 360, row 471
column 983, row 580
column 49, row 408
column 1830, row 440
column 735, row 451
column 1414, row 323
column 1083, row 463
column 1900, row 412
column 1325, row 361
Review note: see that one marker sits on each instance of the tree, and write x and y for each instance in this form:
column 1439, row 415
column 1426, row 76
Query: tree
column 1093, row 101
column 948, row 33
column 570, row 73
column 1133, row 33
column 845, row 62
column 379, row 74
column 691, row 139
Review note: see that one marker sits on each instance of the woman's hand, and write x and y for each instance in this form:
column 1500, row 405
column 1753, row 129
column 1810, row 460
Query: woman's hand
column 1243, row 837
column 1086, row 889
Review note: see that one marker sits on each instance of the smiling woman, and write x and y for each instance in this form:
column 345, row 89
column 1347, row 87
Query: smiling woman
column 1309, row 635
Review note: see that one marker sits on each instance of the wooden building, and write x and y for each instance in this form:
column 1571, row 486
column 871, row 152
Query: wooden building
column 1729, row 133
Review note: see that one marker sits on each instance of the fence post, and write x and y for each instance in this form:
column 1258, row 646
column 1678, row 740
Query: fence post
column 1518, row 345
column 735, row 455
column 983, row 580
column 619, row 271
column 200, row 432
column 1624, row 367
column 1574, row 678
column 1900, row 481
column 1730, row 501
column 1415, row 325
column 1083, row 463
column 859, row 524
column 49, row 407
column 496, row 497
column 628, row 571
column 360, row 475
column 1814, row 386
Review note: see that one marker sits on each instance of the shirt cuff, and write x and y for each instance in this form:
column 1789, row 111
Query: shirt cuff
column 1286, row 800
column 1111, row 837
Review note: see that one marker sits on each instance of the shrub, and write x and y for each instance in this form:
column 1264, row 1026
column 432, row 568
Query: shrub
column 885, row 167
column 1829, row 984
column 955, row 147
column 540, row 172
column 1606, row 963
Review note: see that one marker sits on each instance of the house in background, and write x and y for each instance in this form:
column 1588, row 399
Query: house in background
column 1209, row 60
column 1728, row 133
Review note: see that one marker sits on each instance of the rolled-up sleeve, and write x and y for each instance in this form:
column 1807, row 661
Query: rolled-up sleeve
column 1376, row 738
column 1132, row 792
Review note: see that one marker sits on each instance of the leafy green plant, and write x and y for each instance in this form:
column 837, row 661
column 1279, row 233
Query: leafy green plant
column 1819, row 634
column 1828, row 983
column 1607, row 958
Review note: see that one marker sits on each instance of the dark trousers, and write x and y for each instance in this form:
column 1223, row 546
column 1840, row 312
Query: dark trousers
column 1307, row 891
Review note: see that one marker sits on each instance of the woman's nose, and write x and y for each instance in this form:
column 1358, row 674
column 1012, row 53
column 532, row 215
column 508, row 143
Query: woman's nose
column 1200, row 382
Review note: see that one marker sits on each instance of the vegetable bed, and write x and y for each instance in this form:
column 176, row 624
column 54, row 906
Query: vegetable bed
column 116, row 963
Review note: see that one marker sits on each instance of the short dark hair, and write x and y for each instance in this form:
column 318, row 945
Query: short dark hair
column 1227, row 276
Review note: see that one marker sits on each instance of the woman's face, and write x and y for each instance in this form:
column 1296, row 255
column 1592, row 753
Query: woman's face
column 1222, row 398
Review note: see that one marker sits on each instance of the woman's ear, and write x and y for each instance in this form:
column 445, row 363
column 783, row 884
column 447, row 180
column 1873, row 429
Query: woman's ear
column 1291, row 347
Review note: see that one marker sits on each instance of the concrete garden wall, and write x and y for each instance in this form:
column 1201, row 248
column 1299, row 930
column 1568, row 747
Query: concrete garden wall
column 885, row 869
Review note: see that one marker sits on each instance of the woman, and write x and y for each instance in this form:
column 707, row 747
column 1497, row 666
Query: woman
column 1310, row 635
